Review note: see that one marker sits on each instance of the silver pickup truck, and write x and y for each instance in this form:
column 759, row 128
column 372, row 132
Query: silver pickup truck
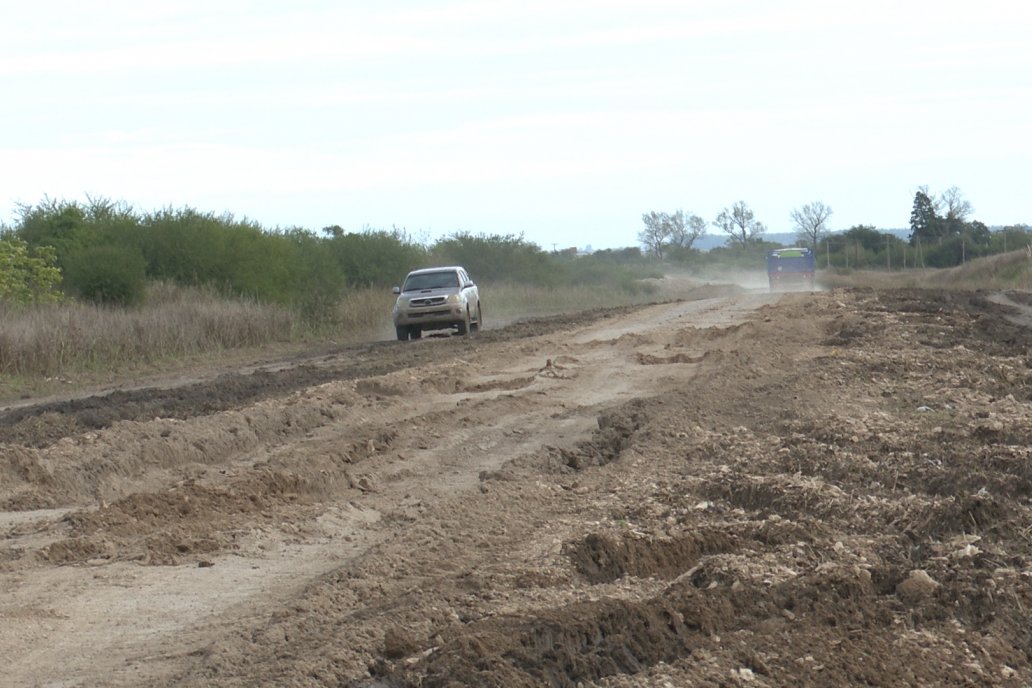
column 437, row 299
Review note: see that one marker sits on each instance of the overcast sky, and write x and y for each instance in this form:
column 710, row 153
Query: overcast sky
column 562, row 120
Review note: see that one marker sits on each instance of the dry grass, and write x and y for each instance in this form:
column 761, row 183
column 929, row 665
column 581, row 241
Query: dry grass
column 180, row 324
column 1003, row 271
column 509, row 301
column 56, row 339
column 364, row 314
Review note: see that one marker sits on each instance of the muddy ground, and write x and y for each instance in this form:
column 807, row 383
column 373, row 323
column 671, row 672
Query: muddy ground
column 739, row 490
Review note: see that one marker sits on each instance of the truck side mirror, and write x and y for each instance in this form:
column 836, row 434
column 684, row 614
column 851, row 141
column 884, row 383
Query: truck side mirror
column 396, row 290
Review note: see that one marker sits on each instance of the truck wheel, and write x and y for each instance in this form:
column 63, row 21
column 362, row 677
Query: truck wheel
column 402, row 331
column 463, row 328
column 479, row 324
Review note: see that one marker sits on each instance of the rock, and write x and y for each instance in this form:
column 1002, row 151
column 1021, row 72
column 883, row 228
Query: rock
column 398, row 643
column 917, row 586
column 966, row 552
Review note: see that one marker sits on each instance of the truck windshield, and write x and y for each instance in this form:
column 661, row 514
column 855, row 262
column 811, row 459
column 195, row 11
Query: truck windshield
column 432, row 280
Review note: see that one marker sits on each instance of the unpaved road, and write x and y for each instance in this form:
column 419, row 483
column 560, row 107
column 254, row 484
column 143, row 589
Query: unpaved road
column 811, row 489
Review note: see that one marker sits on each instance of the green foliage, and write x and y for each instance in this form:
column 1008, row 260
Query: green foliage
column 869, row 237
column 925, row 223
column 239, row 258
column 70, row 227
column 107, row 274
column 614, row 270
column 109, row 254
column 375, row 258
column 863, row 246
column 192, row 248
column 751, row 255
column 955, row 250
column 631, row 254
column 319, row 281
column 945, row 240
column 58, row 224
column 681, row 254
column 493, row 258
column 1010, row 238
column 28, row 276
column 261, row 265
column 978, row 233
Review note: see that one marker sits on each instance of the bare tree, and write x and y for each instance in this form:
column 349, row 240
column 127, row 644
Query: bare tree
column 935, row 200
column 956, row 209
column 811, row 222
column 670, row 229
column 655, row 233
column 955, row 205
column 685, row 228
column 740, row 223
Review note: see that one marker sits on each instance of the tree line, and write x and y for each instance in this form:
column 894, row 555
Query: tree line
column 941, row 235
column 107, row 252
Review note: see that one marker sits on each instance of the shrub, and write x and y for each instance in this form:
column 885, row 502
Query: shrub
column 107, row 275
column 70, row 227
column 27, row 276
column 493, row 258
column 375, row 258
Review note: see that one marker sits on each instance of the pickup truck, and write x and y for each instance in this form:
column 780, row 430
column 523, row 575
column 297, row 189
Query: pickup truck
column 437, row 299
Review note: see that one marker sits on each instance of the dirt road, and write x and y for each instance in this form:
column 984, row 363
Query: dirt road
column 742, row 489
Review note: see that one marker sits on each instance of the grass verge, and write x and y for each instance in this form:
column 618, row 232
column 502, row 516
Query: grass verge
column 61, row 347
column 1001, row 272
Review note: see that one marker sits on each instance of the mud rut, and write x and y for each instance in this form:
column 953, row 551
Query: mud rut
column 823, row 489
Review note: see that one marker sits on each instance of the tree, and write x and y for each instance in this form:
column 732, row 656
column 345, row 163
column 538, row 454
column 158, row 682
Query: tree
column 70, row 227
column 678, row 229
column 685, row 229
column 107, row 274
column 865, row 235
column 655, row 233
column 494, row 258
column 740, row 223
column 956, row 209
column 811, row 222
column 28, row 276
column 381, row 257
column 925, row 223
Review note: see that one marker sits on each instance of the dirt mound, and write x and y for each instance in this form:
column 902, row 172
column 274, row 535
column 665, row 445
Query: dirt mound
column 185, row 521
column 615, row 431
column 565, row 647
column 601, row 559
